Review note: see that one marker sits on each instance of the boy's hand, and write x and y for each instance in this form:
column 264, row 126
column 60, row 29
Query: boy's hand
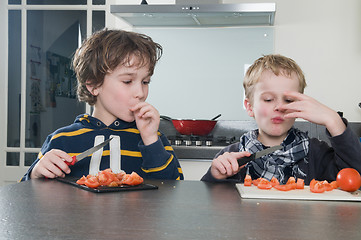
column 309, row 109
column 52, row 165
column 226, row 165
column 147, row 119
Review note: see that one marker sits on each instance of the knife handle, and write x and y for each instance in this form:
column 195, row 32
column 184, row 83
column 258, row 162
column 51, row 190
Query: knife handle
column 242, row 161
column 72, row 162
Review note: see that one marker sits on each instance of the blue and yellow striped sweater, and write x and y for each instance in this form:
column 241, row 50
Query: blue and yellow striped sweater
column 126, row 151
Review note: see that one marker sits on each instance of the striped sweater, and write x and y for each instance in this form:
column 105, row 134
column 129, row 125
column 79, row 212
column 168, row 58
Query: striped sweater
column 125, row 151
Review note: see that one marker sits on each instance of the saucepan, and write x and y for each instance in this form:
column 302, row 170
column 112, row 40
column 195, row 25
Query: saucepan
column 192, row 126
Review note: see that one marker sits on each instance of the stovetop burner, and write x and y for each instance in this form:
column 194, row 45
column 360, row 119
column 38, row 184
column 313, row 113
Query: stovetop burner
column 191, row 140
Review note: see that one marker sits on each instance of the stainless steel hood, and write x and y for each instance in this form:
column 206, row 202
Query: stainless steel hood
column 197, row 15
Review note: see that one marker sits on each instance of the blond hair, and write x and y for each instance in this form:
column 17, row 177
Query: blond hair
column 276, row 63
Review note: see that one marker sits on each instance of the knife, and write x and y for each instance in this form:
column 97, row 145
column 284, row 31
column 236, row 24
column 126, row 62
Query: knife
column 87, row 152
column 259, row 154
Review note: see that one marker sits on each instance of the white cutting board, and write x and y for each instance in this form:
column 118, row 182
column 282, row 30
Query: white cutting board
column 297, row 194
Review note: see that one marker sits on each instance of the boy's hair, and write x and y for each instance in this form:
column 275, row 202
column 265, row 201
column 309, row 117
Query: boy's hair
column 278, row 64
column 104, row 51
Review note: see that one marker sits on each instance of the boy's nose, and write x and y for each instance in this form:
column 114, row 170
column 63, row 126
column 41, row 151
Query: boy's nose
column 277, row 108
column 139, row 93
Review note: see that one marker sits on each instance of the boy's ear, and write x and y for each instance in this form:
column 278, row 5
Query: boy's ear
column 248, row 106
column 92, row 90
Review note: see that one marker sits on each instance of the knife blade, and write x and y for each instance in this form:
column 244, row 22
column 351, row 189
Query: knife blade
column 259, row 154
column 87, row 152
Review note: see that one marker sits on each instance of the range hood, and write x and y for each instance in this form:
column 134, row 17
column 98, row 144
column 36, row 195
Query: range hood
column 197, row 15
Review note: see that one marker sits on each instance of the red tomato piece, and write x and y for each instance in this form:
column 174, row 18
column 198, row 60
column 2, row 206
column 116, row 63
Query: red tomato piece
column 256, row 181
column 274, row 181
column 285, row 187
column 300, row 184
column 132, row 179
column 82, row 180
column 264, row 184
column 120, row 175
column 318, row 187
column 349, row 179
column 92, row 182
column 327, row 185
column 334, row 184
column 105, row 178
column 247, row 180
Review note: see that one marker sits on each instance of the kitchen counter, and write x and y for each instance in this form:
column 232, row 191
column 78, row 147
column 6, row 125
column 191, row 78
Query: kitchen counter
column 48, row 209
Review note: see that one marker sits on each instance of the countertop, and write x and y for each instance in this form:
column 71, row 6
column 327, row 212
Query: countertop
column 48, row 209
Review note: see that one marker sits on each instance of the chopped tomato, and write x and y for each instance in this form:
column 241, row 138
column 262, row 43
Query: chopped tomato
column 106, row 177
column 132, row 179
column 92, row 182
column 274, row 181
column 300, row 184
column 327, row 185
column 256, row 181
column 247, row 180
column 317, row 187
column 285, row 187
column 120, row 175
column 334, row 184
column 291, row 182
column 264, row 184
column 82, row 180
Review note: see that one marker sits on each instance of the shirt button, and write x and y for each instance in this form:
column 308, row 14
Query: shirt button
column 116, row 123
column 99, row 124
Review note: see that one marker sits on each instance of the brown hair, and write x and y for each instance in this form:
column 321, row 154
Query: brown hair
column 278, row 64
column 104, row 51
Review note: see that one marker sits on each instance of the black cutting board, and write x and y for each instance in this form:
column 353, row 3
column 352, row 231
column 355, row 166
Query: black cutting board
column 103, row 189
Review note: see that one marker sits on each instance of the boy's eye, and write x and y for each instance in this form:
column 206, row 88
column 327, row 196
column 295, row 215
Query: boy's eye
column 289, row 100
column 267, row 99
column 146, row 82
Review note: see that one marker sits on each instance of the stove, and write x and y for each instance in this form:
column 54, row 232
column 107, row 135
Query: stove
column 199, row 147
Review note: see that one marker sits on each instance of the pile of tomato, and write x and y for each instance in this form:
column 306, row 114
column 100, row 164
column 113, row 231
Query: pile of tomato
column 348, row 179
column 110, row 179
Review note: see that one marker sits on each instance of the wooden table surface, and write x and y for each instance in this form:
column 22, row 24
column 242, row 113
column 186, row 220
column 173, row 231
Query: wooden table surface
column 48, row 209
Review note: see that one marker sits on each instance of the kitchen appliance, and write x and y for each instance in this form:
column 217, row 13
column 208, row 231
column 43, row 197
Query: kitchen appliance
column 196, row 14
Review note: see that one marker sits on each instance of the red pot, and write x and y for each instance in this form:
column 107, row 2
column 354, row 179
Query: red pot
column 194, row 127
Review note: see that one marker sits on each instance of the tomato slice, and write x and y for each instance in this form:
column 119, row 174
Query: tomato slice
column 327, row 185
column 334, row 184
column 247, row 180
column 274, row 181
column 82, row 180
column 132, row 179
column 120, row 175
column 92, row 182
column 264, row 184
column 106, row 177
column 300, row 184
column 317, row 187
column 256, row 181
column 285, row 187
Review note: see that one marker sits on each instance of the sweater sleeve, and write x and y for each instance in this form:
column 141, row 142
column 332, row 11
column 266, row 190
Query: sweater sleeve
column 159, row 160
column 326, row 161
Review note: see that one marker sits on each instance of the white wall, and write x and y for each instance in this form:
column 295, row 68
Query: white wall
column 324, row 38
